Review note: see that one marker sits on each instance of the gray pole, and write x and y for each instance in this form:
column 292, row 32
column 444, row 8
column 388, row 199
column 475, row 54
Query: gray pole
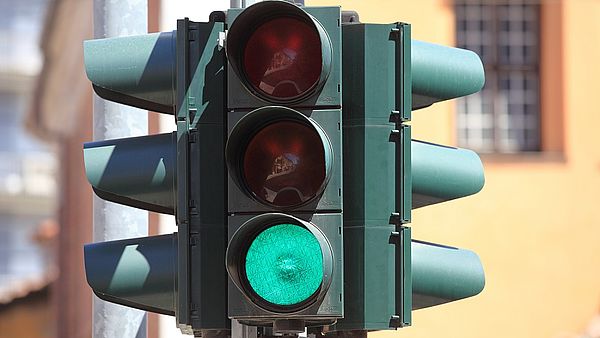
column 111, row 120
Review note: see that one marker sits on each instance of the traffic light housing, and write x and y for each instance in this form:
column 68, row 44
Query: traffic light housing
column 181, row 274
column 387, row 75
column 291, row 178
column 284, row 160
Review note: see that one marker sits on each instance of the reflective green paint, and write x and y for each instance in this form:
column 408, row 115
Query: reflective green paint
column 131, row 271
column 441, row 173
column 134, row 70
column 96, row 157
column 284, row 264
column 137, row 272
column 161, row 171
column 441, row 73
column 137, row 171
column 442, row 274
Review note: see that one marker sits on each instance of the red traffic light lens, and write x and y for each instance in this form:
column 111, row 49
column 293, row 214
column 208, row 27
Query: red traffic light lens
column 283, row 58
column 284, row 164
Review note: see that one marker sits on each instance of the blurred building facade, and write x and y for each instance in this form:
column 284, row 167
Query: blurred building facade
column 60, row 112
column 27, row 178
column 535, row 225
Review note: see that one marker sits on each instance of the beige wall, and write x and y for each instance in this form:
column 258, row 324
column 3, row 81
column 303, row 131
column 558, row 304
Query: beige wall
column 536, row 224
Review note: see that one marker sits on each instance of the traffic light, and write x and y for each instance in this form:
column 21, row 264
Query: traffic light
column 180, row 173
column 284, row 160
column 385, row 76
column 292, row 173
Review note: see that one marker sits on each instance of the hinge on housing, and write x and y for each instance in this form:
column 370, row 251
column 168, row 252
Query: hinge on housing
column 395, row 218
column 193, row 136
column 191, row 204
column 192, row 35
column 395, row 321
column 396, row 236
column 394, row 135
column 194, row 240
column 395, row 32
column 396, row 117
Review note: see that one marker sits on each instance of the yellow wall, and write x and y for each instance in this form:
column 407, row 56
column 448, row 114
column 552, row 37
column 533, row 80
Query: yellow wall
column 536, row 224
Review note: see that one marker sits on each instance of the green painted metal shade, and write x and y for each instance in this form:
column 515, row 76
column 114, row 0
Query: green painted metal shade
column 134, row 70
column 135, row 171
column 137, row 272
column 284, row 264
column 442, row 274
column 441, row 73
column 441, row 173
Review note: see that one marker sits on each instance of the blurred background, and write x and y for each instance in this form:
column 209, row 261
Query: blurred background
column 536, row 125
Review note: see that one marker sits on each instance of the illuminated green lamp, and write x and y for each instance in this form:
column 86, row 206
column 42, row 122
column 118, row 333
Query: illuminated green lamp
column 279, row 262
column 284, row 264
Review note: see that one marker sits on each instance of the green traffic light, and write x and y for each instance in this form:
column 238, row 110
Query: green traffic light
column 284, row 264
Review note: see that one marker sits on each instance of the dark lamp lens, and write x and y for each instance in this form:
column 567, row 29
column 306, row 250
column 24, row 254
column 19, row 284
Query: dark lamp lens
column 282, row 58
column 284, row 164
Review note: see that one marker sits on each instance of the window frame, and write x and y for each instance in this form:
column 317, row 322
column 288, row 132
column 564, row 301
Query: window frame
column 497, row 70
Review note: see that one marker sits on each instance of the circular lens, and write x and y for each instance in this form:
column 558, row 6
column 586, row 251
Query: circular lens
column 284, row 164
column 284, row 264
column 282, row 58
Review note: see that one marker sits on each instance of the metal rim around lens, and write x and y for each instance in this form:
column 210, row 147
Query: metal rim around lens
column 248, row 127
column 263, row 301
column 255, row 16
column 236, row 254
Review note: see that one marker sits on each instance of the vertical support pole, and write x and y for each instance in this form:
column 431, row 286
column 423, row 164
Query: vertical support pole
column 111, row 120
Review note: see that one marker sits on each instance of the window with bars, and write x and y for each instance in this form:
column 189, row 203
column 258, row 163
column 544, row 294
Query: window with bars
column 505, row 116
